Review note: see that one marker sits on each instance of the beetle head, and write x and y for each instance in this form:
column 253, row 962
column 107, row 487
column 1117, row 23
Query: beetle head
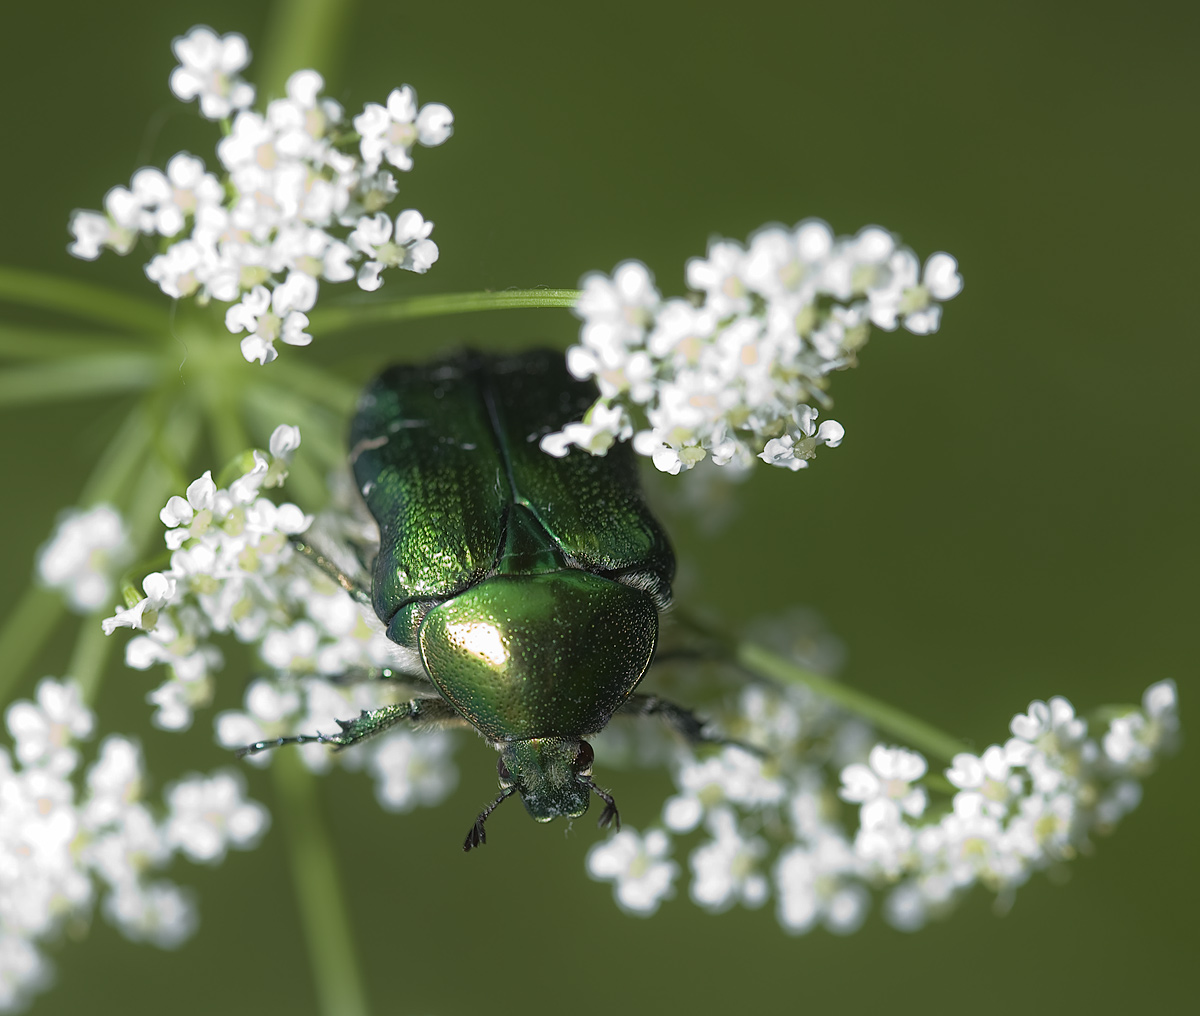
column 553, row 775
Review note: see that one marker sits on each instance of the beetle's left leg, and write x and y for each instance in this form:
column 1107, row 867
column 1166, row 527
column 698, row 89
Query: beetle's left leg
column 680, row 719
column 331, row 569
column 420, row 712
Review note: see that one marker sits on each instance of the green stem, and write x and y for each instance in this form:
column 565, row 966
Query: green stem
column 302, row 34
column 85, row 376
column 323, row 912
column 81, row 299
column 119, row 461
column 88, row 659
column 764, row 663
column 338, row 319
column 888, row 719
column 27, row 627
column 31, row 622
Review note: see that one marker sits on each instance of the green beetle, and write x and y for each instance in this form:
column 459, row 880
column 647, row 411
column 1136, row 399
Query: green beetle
column 529, row 585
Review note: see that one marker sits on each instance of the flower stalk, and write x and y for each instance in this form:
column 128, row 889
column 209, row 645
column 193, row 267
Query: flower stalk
column 323, row 913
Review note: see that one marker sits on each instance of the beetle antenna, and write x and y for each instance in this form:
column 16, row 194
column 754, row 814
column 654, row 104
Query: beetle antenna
column 279, row 742
column 477, row 836
column 610, row 815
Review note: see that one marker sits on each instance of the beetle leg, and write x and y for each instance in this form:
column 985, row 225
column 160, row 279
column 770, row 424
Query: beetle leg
column 476, row 835
column 680, row 719
column 362, row 595
column 423, row 712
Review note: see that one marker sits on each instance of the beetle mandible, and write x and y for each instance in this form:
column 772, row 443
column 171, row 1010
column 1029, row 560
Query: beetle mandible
column 530, row 586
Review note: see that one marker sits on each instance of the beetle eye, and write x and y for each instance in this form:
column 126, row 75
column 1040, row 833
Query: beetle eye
column 506, row 779
column 584, row 760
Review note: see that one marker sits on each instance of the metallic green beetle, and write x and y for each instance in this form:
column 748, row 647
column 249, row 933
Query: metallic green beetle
column 530, row 586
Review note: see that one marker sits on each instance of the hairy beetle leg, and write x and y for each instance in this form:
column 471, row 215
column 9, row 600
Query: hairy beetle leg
column 682, row 720
column 331, row 570
column 477, row 835
column 426, row 712
column 610, row 815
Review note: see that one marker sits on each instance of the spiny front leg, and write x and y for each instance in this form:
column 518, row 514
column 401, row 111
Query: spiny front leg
column 331, row 570
column 424, row 712
column 680, row 719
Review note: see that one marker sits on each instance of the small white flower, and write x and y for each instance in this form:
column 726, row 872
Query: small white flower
column 209, row 814
column 159, row 590
column 990, row 775
column 725, row 869
column 1134, row 739
column 172, row 197
column 270, row 712
column 720, row 277
column 1044, row 828
column 617, row 313
column 884, row 786
column 1117, row 802
column 44, row 733
column 413, row 769
column 117, row 229
column 83, row 556
column 601, row 428
column 23, row 971
column 734, row 776
column 638, row 866
column 114, row 781
column 273, row 315
column 818, row 884
column 940, row 282
column 160, row 913
column 208, row 67
column 406, row 246
column 390, row 132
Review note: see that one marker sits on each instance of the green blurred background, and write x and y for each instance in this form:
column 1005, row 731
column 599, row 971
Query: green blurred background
column 1012, row 514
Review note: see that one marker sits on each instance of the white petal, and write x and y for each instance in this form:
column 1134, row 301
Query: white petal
column 434, row 124
column 941, row 276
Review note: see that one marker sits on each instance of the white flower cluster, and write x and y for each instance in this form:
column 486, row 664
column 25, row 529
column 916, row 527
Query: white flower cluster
column 66, row 837
column 84, row 556
column 234, row 571
column 1018, row 808
column 733, row 372
column 301, row 199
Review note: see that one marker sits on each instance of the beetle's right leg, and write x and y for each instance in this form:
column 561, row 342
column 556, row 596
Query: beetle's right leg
column 420, row 712
column 327, row 566
column 680, row 719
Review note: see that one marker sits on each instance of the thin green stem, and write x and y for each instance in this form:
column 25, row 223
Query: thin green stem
column 108, row 374
column 20, row 343
column 764, row 663
column 888, row 719
column 119, row 460
column 340, row 319
column 302, row 34
column 26, row 628
column 37, row 614
column 89, row 657
column 324, row 916
column 80, row 299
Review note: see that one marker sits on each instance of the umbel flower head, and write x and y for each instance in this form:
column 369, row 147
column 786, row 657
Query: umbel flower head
column 299, row 198
column 69, row 837
column 772, row 825
column 739, row 370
